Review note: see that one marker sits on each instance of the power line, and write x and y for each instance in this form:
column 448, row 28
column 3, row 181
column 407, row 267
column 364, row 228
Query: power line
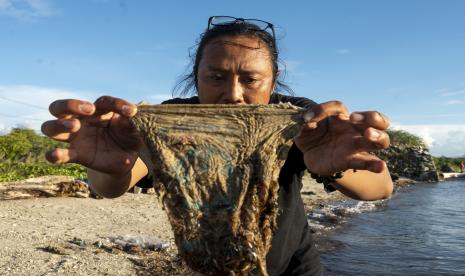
column 23, row 103
column 20, row 117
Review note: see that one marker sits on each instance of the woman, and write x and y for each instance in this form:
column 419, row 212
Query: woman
column 236, row 63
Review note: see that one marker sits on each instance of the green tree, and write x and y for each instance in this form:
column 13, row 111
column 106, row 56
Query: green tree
column 403, row 138
column 22, row 155
column 16, row 145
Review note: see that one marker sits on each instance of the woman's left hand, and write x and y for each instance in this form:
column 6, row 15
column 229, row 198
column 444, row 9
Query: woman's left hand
column 333, row 140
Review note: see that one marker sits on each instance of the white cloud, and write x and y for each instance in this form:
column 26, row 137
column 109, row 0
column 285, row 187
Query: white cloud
column 27, row 105
column 447, row 140
column 445, row 92
column 25, row 9
column 343, row 51
column 453, row 102
column 3, row 129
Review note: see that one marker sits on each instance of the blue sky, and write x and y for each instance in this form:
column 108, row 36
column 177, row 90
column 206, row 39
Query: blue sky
column 403, row 58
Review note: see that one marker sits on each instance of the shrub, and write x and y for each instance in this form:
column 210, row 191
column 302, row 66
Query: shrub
column 403, row 138
column 22, row 155
column 12, row 171
column 447, row 164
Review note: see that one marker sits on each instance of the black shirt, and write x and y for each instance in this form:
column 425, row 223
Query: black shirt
column 292, row 250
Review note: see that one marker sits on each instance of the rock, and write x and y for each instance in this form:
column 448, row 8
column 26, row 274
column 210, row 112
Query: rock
column 402, row 181
column 133, row 243
column 447, row 168
column 415, row 163
column 78, row 241
column 98, row 244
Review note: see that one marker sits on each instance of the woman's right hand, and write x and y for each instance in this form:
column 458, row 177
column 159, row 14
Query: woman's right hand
column 100, row 135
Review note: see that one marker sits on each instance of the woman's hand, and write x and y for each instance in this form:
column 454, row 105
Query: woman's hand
column 100, row 135
column 333, row 140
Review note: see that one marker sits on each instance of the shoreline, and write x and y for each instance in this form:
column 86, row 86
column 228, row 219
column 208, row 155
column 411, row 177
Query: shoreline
column 78, row 236
column 451, row 176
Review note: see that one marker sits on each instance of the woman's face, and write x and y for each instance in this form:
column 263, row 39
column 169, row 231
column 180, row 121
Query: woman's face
column 235, row 70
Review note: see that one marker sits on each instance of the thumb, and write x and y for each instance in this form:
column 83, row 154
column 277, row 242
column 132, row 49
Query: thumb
column 125, row 133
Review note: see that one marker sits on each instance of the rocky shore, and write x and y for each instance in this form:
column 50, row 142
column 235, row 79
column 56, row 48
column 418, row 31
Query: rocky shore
column 410, row 165
column 415, row 163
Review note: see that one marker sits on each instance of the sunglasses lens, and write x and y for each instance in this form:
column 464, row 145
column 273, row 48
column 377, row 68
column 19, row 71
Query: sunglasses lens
column 228, row 20
column 223, row 20
column 261, row 25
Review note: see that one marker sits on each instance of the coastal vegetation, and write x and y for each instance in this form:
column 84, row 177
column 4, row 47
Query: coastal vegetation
column 22, row 155
column 404, row 139
column 448, row 164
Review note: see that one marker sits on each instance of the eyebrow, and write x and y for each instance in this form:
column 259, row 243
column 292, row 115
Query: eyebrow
column 219, row 69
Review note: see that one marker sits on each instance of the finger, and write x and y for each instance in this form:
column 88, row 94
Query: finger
column 67, row 108
column 363, row 120
column 366, row 161
column 372, row 140
column 313, row 134
column 378, row 137
column 100, row 120
column 60, row 129
column 322, row 111
column 107, row 104
column 61, row 156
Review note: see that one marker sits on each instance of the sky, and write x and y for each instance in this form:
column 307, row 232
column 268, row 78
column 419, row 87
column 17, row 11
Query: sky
column 405, row 59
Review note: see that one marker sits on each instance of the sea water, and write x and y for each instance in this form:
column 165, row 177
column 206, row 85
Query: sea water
column 419, row 231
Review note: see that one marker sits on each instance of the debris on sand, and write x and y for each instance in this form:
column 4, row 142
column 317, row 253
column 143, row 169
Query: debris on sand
column 44, row 186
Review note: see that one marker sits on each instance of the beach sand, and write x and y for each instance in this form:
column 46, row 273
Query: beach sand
column 76, row 236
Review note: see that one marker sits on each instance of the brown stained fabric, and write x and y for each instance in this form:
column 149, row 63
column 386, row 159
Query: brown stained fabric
column 215, row 169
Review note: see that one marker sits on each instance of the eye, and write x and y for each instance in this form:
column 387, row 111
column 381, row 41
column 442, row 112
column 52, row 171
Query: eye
column 249, row 80
column 216, row 77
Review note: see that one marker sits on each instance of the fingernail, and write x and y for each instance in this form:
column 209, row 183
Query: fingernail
column 127, row 110
column 68, row 124
column 308, row 116
column 377, row 167
column 312, row 125
column 375, row 134
column 357, row 117
column 86, row 108
column 55, row 156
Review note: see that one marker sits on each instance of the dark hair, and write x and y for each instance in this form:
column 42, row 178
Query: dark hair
column 188, row 82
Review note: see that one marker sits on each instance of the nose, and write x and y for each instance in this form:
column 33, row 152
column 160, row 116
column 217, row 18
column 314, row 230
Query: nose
column 233, row 92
